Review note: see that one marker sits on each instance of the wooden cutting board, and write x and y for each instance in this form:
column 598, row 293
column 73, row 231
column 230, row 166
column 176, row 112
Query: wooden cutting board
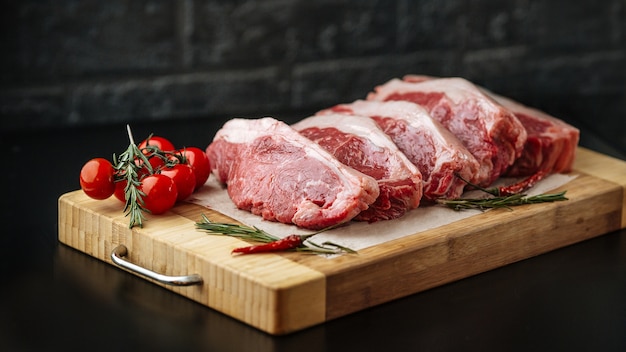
column 287, row 292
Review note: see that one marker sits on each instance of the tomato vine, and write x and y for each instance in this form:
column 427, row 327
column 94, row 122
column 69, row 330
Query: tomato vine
column 147, row 176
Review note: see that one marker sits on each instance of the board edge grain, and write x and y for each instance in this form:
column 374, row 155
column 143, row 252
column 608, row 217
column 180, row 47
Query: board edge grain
column 269, row 292
column 605, row 167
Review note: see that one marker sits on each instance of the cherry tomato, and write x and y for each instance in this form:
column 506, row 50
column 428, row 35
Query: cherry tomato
column 120, row 190
column 161, row 142
column 97, row 178
column 155, row 162
column 183, row 177
column 199, row 162
column 160, row 193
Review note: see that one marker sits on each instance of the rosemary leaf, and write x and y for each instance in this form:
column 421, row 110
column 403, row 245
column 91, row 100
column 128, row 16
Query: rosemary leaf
column 334, row 247
column 501, row 202
column 128, row 166
column 234, row 230
column 255, row 234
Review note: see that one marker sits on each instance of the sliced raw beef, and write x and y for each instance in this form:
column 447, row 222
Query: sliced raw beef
column 436, row 152
column 489, row 131
column 357, row 142
column 551, row 144
column 273, row 171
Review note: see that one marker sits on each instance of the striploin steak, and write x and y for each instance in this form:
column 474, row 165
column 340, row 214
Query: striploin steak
column 357, row 142
column 436, row 152
column 489, row 131
column 273, row 171
column 551, row 143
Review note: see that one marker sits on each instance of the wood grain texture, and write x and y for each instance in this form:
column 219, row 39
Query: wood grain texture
column 287, row 292
column 603, row 167
column 269, row 292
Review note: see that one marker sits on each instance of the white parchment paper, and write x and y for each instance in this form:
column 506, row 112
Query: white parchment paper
column 360, row 235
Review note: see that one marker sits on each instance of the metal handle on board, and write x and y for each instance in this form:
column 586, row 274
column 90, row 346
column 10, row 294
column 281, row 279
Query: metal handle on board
column 186, row 280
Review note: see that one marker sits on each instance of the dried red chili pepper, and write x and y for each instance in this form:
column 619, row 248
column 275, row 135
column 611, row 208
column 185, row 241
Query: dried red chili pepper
column 518, row 187
column 513, row 189
column 283, row 244
column 504, row 196
column 271, row 242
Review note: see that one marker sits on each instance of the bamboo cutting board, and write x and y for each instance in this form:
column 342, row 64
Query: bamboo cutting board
column 287, row 292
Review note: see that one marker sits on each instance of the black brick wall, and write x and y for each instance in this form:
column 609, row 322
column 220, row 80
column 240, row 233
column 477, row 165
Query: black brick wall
column 94, row 62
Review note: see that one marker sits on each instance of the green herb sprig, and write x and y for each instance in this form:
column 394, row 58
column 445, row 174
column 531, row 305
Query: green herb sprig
column 501, row 202
column 253, row 233
column 503, row 197
column 128, row 166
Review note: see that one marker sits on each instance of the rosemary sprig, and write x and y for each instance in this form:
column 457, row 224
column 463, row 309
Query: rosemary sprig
column 324, row 248
column 504, row 196
column 126, row 166
column 501, row 201
column 509, row 190
column 131, row 166
column 271, row 243
column 234, row 230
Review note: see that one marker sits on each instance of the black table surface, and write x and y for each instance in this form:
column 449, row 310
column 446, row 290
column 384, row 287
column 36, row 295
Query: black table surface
column 56, row 298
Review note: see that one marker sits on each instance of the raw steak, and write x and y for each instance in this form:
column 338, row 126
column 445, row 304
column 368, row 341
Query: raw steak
column 273, row 171
column 489, row 131
column 357, row 142
column 551, row 144
column 436, row 152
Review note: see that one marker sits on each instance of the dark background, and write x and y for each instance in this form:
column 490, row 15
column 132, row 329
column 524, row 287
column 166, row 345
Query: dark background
column 69, row 63
column 74, row 73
